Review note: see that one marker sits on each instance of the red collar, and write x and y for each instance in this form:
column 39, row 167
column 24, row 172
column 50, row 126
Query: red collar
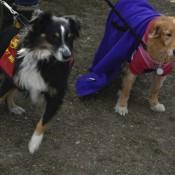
column 71, row 60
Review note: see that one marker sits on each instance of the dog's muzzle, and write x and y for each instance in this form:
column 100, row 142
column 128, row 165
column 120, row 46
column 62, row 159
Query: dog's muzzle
column 66, row 53
column 63, row 54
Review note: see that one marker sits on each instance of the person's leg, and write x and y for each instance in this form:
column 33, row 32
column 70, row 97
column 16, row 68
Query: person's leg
column 26, row 2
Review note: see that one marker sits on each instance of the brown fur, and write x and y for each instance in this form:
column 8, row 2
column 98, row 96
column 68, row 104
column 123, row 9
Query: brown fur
column 161, row 47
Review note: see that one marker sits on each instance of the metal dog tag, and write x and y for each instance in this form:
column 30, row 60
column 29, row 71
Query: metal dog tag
column 159, row 71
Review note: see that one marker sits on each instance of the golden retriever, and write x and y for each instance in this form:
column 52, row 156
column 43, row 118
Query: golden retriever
column 160, row 41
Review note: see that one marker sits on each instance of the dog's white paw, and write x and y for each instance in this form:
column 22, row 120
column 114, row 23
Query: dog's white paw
column 17, row 110
column 35, row 142
column 121, row 110
column 158, row 108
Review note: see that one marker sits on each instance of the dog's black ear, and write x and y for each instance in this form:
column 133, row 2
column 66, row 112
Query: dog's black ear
column 41, row 22
column 74, row 23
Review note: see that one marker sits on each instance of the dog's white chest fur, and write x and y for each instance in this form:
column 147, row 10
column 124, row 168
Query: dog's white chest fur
column 28, row 77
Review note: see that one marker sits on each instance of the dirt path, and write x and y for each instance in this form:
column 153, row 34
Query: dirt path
column 87, row 137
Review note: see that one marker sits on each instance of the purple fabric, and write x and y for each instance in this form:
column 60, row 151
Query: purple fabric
column 26, row 2
column 116, row 47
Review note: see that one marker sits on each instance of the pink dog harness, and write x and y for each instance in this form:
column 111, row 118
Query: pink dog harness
column 142, row 62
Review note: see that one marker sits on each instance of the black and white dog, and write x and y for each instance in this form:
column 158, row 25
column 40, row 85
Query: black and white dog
column 43, row 65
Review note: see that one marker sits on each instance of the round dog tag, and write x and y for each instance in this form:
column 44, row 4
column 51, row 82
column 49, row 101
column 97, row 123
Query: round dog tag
column 159, row 71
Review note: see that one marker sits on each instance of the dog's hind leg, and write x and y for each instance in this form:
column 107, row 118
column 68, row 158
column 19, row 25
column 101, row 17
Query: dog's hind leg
column 13, row 108
column 154, row 94
column 7, row 93
column 52, row 105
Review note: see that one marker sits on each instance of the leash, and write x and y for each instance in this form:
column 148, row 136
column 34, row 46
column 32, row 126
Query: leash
column 19, row 17
column 110, row 4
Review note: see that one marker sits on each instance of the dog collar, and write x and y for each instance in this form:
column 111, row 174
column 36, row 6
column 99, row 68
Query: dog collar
column 71, row 60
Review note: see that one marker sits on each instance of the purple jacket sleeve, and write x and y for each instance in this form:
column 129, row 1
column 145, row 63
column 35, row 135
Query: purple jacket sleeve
column 116, row 47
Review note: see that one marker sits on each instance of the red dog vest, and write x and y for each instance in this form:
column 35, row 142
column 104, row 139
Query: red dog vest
column 141, row 60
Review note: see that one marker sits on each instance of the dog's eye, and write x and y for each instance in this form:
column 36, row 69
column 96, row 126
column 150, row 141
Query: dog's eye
column 43, row 35
column 57, row 35
column 168, row 34
column 70, row 35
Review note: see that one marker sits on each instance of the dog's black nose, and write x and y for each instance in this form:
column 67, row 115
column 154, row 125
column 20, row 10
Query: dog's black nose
column 174, row 52
column 66, row 53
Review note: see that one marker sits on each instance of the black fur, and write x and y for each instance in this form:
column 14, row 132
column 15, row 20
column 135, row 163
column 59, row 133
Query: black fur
column 56, row 75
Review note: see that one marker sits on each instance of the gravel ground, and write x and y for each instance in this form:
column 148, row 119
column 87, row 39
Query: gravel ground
column 87, row 137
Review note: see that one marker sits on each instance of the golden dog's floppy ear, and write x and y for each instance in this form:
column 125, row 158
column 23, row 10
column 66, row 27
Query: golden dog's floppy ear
column 156, row 31
column 158, row 25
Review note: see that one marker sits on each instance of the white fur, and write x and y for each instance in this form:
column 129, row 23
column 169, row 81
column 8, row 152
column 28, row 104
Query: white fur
column 41, row 54
column 158, row 108
column 59, row 52
column 58, row 55
column 59, row 19
column 171, row 52
column 28, row 76
column 38, row 54
column 22, row 53
column 62, row 34
column 17, row 110
column 121, row 110
column 35, row 142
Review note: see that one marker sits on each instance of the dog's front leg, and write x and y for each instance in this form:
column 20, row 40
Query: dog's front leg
column 52, row 105
column 154, row 94
column 128, row 81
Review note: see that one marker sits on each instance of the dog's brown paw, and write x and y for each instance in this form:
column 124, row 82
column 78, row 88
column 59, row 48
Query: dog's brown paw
column 158, row 108
column 17, row 110
column 121, row 110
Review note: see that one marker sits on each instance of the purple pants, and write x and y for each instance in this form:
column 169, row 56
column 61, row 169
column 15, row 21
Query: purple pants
column 26, row 2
